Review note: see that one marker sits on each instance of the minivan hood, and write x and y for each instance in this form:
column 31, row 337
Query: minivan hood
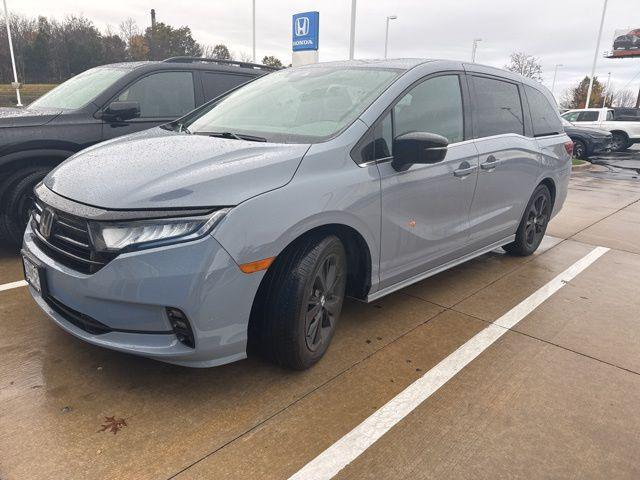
column 158, row 169
column 27, row 117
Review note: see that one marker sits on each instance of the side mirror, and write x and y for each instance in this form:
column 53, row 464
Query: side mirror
column 120, row 111
column 418, row 147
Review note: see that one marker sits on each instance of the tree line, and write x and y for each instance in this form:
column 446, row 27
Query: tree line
column 51, row 51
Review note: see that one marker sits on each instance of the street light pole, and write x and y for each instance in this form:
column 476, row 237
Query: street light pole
column 606, row 90
column 555, row 74
column 474, row 48
column 595, row 56
column 253, row 21
column 352, row 34
column 386, row 34
column 13, row 59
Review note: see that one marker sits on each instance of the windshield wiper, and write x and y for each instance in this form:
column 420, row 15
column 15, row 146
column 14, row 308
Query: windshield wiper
column 236, row 136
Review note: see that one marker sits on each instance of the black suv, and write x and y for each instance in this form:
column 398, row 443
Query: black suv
column 99, row 104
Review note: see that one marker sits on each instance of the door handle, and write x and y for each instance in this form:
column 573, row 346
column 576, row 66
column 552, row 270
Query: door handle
column 464, row 170
column 491, row 163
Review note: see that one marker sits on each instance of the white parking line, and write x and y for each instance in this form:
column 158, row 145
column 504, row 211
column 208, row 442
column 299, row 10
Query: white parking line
column 354, row 443
column 9, row 286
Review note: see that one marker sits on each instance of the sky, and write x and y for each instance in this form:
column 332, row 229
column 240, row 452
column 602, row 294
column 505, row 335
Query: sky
column 555, row 31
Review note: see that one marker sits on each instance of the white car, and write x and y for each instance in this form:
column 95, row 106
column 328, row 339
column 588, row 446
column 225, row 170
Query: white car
column 625, row 129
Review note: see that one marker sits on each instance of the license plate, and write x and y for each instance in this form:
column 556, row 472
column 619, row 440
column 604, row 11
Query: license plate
column 32, row 274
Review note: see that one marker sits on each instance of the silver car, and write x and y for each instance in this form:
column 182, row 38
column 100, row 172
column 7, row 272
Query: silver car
column 243, row 225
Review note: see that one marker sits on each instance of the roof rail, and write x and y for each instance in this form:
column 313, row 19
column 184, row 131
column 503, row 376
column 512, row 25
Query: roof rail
column 254, row 66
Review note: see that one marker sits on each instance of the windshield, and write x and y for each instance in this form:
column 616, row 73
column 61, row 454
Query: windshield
column 296, row 105
column 80, row 90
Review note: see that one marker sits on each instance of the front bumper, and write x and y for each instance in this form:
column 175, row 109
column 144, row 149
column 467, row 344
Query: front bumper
column 129, row 296
column 601, row 145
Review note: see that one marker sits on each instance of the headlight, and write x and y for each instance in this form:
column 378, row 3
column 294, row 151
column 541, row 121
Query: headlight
column 138, row 234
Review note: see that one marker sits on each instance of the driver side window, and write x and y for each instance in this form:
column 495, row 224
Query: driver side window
column 162, row 95
column 433, row 106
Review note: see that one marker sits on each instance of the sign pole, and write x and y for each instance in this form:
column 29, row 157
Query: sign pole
column 253, row 14
column 555, row 74
column 352, row 33
column 16, row 84
column 595, row 56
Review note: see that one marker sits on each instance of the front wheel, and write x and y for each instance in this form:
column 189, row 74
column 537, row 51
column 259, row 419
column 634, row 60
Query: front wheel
column 303, row 301
column 533, row 224
column 17, row 201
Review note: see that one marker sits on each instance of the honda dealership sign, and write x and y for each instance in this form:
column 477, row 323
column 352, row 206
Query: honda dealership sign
column 305, row 37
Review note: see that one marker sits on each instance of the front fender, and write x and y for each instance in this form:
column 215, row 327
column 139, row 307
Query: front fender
column 57, row 155
column 328, row 189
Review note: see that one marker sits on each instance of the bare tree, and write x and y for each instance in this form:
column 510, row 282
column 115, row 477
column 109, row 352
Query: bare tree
column 623, row 98
column 208, row 51
column 526, row 65
column 128, row 30
column 243, row 56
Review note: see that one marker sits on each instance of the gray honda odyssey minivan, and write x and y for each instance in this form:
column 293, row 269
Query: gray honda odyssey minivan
column 244, row 224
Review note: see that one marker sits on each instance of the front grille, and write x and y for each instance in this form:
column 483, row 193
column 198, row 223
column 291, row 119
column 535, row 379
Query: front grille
column 67, row 240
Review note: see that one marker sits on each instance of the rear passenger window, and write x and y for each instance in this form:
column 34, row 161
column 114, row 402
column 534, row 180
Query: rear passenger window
column 587, row 117
column 162, row 95
column 215, row 84
column 433, row 106
column 546, row 120
column 497, row 107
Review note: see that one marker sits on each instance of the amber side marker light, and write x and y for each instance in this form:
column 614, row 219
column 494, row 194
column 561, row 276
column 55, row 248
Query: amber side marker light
column 258, row 265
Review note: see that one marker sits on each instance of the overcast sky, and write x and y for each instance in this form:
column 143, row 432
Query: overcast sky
column 555, row 31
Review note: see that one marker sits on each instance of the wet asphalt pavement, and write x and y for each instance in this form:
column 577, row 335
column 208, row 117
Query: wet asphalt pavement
column 618, row 165
column 556, row 396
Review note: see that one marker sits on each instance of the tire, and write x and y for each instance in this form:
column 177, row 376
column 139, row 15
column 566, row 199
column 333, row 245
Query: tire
column 17, row 201
column 620, row 142
column 533, row 224
column 289, row 334
column 580, row 149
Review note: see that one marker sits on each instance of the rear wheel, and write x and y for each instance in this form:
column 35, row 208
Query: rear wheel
column 579, row 149
column 619, row 142
column 302, row 302
column 17, row 202
column 533, row 224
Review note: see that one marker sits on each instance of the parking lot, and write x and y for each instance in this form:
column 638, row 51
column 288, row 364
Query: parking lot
column 555, row 396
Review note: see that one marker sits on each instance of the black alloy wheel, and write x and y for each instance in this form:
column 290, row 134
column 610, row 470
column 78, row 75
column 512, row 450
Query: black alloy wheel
column 533, row 224
column 537, row 219
column 579, row 149
column 298, row 305
column 324, row 302
column 619, row 142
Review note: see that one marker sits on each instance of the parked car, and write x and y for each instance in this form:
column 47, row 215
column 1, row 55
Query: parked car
column 625, row 129
column 587, row 141
column 626, row 42
column 244, row 224
column 100, row 104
